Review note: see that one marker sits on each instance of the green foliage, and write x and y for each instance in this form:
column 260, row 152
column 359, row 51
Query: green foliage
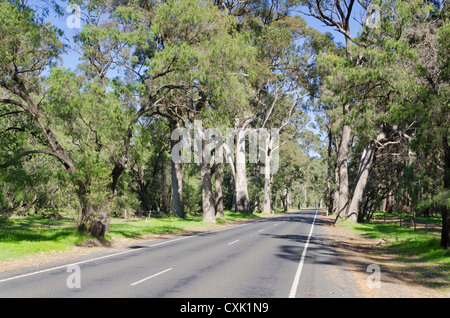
column 208, row 56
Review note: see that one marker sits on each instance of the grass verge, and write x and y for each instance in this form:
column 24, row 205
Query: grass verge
column 404, row 241
column 419, row 251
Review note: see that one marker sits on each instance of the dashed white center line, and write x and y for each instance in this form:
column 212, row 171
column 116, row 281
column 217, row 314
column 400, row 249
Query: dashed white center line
column 233, row 242
column 154, row 275
column 260, row 230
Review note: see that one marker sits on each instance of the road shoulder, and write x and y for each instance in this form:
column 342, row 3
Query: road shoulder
column 398, row 280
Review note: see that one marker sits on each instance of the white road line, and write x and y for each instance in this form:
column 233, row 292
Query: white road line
column 300, row 265
column 233, row 242
column 154, row 275
column 260, row 230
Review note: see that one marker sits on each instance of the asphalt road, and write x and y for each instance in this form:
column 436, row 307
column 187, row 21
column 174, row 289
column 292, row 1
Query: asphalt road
column 285, row 256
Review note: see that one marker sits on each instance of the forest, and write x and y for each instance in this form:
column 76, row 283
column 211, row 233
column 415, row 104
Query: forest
column 137, row 125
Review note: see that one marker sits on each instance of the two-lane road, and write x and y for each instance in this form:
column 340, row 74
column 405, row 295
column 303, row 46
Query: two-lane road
column 279, row 257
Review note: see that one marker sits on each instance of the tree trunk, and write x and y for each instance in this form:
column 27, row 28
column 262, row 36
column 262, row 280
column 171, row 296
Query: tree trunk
column 274, row 202
column 343, row 170
column 164, row 200
column 267, row 175
column 242, row 198
column 388, row 203
column 87, row 215
column 336, row 191
column 445, row 207
column 209, row 214
column 177, row 180
column 177, row 190
column 267, row 189
column 306, row 196
column 218, row 190
column 145, row 201
column 362, row 177
column 285, row 200
column 361, row 182
column 329, row 169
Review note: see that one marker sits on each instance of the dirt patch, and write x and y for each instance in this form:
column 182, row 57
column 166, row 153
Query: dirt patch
column 399, row 279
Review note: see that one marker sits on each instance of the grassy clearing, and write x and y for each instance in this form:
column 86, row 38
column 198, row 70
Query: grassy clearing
column 21, row 236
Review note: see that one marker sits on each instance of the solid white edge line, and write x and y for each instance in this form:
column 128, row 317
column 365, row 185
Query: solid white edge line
column 294, row 286
column 154, row 275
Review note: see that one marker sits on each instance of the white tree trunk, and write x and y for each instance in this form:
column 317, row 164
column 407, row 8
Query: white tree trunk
column 209, row 214
column 364, row 168
column 177, row 187
column 343, row 171
column 218, row 201
column 267, row 153
column 242, row 198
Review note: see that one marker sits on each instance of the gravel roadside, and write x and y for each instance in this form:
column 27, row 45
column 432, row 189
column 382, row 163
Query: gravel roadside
column 398, row 279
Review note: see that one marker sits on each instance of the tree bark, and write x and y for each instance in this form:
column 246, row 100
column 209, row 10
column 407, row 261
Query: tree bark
column 336, row 191
column 218, row 193
column 388, row 202
column 177, row 190
column 329, row 169
column 209, row 214
column 267, row 189
column 284, row 200
column 164, row 201
column 445, row 207
column 242, row 198
column 364, row 168
column 267, row 175
column 177, row 180
column 274, row 202
column 343, row 170
column 87, row 212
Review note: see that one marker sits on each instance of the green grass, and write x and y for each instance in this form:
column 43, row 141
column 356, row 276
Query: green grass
column 135, row 228
column 21, row 236
column 139, row 227
column 404, row 242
